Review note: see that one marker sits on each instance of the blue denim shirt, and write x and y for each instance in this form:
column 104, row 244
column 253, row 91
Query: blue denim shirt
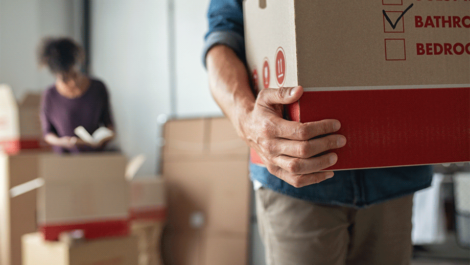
column 353, row 188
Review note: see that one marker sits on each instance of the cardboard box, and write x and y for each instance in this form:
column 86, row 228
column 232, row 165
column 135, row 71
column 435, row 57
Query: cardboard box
column 148, row 199
column 396, row 76
column 17, row 215
column 20, row 126
column 87, row 192
column 112, row 251
column 208, row 192
column 148, row 234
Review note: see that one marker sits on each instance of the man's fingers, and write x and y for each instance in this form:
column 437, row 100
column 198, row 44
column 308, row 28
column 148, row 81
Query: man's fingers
column 284, row 95
column 299, row 181
column 300, row 166
column 304, row 149
column 277, row 127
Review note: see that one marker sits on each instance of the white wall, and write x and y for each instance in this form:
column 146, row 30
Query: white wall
column 130, row 53
column 193, row 95
column 23, row 23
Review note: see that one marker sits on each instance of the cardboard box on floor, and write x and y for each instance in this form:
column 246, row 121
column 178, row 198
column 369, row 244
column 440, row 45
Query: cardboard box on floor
column 109, row 251
column 395, row 73
column 148, row 235
column 148, row 199
column 20, row 126
column 205, row 166
column 17, row 215
column 87, row 192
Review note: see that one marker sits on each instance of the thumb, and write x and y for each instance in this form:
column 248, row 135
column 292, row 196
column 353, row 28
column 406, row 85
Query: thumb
column 283, row 95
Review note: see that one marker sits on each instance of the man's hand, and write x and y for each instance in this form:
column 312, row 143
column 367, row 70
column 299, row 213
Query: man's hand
column 290, row 150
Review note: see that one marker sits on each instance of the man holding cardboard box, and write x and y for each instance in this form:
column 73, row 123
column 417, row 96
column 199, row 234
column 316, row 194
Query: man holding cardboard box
column 305, row 215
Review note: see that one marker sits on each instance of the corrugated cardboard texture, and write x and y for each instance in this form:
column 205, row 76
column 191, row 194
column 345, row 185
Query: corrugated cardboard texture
column 265, row 31
column 201, row 138
column 147, row 192
column 149, row 238
column 17, row 215
column 341, row 43
column 344, row 43
column 399, row 103
column 116, row 251
column 218, row 189
column 30, row 124
column 82, row 187
column 208, row 195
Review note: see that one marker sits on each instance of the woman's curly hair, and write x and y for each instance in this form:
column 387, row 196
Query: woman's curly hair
column 60, row 54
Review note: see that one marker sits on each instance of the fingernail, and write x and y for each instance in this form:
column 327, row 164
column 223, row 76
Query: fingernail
column 341, row 141
column 337, row 125
column 333, row 158
column 292, row 91
column 329, row 175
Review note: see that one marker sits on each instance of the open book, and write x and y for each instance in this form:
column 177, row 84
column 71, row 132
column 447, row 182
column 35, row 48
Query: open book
column 100, row 134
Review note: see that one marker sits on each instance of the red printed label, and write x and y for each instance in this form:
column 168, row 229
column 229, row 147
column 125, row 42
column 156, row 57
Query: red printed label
column 280, row 67
column 266, row 76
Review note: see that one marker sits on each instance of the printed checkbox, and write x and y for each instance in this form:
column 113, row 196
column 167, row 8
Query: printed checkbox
column 394, row 16
column 395, row 50
column 392, row 2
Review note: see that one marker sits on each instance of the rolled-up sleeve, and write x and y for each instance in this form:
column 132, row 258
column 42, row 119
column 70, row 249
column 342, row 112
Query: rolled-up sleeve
column 225, row 27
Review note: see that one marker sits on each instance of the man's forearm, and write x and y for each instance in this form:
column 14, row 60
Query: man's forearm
column 229, row 84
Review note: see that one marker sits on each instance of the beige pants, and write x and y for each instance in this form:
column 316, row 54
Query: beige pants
column 299, row 232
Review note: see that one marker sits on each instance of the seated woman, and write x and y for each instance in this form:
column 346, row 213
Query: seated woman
column 74, row 100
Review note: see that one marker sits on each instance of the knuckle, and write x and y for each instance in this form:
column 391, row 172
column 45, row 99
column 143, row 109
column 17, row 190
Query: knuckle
column 304, row 150
column 268, row 147
column 266, row 128
column 302, row 132
column 272, row 169
column 293, row 166
column 330, row 143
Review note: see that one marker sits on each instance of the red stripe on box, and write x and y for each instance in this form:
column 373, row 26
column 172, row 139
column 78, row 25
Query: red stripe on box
column 92, row 229
column 157, row 213
column 10, row 147
column 394, row 127
column 30, row 144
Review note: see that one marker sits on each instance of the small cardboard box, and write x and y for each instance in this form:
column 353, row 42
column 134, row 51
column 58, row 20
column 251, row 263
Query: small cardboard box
column 20, row 126
column 87, row 192
column 396, row 74
column 148, row 199
column 205, row 167
column 148, row 234
column 111, row 251
column 17, row 215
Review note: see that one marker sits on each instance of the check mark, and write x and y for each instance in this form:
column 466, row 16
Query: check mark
column 398, row 20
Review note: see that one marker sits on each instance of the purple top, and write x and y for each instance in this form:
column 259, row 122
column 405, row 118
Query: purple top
column 61, row 115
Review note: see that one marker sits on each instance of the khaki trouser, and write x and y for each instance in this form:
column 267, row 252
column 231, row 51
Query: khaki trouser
column 299, row 232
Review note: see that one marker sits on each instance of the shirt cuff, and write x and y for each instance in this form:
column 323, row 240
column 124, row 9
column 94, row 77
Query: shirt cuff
column 231, row 39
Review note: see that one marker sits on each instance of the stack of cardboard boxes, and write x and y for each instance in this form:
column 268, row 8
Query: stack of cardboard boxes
column 148, row 216
column 20, row 126
column 205, row 166
column 87, row 194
